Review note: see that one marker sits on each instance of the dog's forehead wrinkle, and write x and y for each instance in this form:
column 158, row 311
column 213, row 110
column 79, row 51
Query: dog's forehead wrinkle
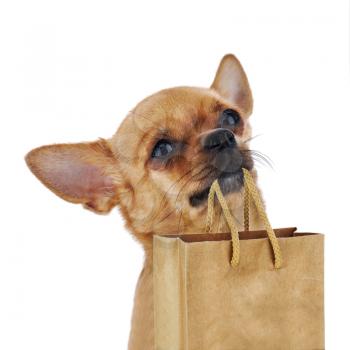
column 177, row 100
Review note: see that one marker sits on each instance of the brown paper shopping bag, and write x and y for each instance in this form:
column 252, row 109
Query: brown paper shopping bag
column 239, row 291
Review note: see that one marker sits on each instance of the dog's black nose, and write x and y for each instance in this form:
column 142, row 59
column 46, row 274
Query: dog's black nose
column 218, row 140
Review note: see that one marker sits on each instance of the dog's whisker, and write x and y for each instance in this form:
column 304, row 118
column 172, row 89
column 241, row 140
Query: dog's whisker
column 178, row 195
column 259, row 160
column 175, row 183
column 200, row 184
column 262, row 160
column 256, row 156
column 252, row 138
column 262, row 154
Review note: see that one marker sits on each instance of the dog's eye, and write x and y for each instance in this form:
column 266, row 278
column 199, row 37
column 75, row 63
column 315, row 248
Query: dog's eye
column 229, row 118
column 162, row 149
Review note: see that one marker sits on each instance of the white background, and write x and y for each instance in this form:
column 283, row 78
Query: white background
column 71, row 70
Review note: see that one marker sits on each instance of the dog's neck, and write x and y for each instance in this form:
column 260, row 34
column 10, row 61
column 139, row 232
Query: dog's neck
column 142, row 323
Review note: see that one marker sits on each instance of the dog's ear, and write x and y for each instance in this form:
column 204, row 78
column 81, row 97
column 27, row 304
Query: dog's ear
column 231, row 83
column 85, row 173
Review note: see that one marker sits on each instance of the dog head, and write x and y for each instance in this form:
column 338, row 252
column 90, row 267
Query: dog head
column 160, row 163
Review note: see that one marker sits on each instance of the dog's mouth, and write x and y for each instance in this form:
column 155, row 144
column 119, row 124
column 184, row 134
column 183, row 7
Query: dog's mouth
column 229, row 182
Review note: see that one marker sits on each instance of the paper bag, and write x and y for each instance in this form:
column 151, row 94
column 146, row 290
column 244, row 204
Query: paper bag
column 253, row 290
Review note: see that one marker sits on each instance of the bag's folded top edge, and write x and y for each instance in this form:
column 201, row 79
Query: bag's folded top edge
column 287, row 232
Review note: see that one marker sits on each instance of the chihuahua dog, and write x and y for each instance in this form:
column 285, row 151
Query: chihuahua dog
column 158, row 168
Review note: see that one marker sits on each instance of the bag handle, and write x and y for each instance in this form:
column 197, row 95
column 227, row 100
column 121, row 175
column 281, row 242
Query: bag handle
column 246, row 210
column 250, row 191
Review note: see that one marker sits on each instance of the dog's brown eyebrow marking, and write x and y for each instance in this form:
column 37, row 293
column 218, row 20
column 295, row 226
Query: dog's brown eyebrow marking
column 163, row 134
column 197, row 122
column 216, row 107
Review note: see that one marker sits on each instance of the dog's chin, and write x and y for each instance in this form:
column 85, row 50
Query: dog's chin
column 229, row 183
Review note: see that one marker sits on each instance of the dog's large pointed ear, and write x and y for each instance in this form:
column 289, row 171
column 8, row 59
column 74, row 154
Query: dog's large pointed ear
column 232, row 83
column 85, row 173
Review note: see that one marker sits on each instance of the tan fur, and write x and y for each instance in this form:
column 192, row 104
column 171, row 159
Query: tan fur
column 153, row 199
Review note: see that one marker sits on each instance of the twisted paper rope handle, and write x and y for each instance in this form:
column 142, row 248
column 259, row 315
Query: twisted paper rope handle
column 250, row 191
column 215, row 189
column 246, row 208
